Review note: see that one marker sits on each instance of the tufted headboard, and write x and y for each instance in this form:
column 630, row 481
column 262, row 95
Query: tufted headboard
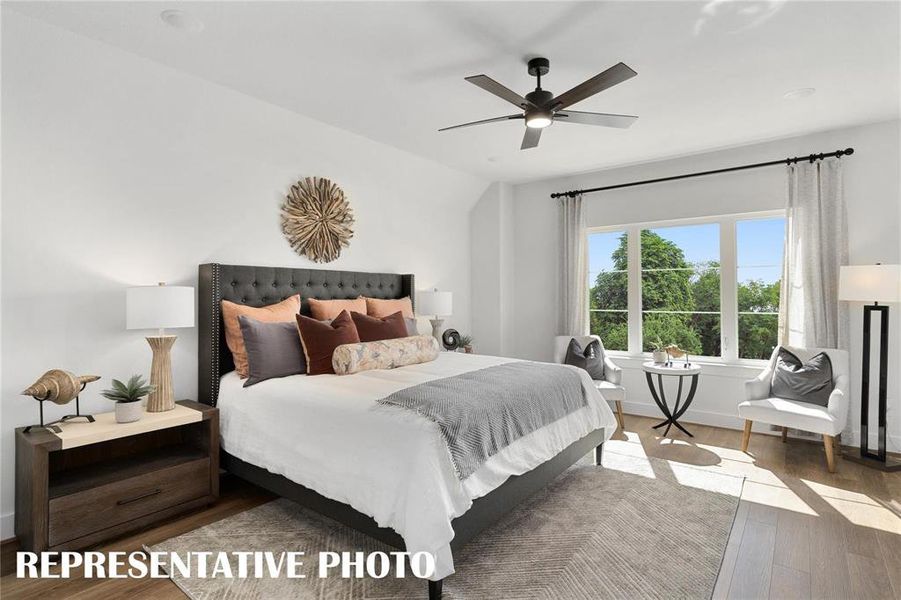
column 259, row 286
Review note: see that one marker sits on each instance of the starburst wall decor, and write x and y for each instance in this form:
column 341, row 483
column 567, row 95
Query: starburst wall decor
column 317, row 219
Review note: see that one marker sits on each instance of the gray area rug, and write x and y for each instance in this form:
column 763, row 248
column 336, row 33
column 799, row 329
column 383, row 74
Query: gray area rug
column 637, row 528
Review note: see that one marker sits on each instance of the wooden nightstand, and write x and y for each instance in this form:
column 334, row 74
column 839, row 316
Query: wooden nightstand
column 95, row 481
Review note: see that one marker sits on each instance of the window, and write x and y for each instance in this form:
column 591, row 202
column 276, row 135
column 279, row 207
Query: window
column 608, row 288
column 759, row 246
column 680, row 288
column 710, row 286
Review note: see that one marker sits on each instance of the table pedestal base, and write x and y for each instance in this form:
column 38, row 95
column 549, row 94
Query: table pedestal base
column 672, row 418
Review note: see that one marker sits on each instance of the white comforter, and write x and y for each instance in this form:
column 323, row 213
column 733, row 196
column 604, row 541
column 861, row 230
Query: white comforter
column 328, row 434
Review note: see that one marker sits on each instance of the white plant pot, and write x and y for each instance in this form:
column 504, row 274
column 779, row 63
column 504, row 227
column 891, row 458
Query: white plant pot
column 660, row 356
column 128, row 412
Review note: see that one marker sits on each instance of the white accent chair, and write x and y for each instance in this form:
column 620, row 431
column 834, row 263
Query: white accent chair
column 828, row 420
column 609, row 387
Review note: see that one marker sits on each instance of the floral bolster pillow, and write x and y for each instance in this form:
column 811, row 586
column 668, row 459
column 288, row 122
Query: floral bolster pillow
column 384, row 354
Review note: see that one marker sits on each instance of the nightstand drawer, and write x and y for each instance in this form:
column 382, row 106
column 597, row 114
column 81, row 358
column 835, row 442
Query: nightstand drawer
column 81, row 513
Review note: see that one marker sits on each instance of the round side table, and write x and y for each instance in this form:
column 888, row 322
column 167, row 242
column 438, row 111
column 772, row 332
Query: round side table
column 681, row 371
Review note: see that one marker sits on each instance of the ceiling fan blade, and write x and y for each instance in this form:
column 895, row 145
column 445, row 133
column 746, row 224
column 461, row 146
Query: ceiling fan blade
column 593, row 118
column 530, row 139
column 490, row 85
column 618, row 73
column 483, row 121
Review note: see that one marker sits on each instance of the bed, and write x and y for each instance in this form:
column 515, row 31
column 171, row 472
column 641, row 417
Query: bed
column 325, row 442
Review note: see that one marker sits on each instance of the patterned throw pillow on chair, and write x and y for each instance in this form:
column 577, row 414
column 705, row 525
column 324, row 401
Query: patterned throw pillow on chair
column 591, row 358
column 809, row 381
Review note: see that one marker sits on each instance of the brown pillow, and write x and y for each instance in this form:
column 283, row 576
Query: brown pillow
column 281, row 312
column 320, row 340
column 329, row 309
column 376, row 307
column 373, row 329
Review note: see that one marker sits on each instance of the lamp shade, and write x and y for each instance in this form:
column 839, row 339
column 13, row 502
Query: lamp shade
column 435, row 303
column 870, row 283
column 159, row 307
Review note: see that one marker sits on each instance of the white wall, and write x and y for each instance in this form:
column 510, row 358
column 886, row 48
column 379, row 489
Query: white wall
column 491, row 244
column 119, row 171
column 871, row 179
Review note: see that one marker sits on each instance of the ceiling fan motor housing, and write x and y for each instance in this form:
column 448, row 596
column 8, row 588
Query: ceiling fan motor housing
column 539, row 66
column 540, row 97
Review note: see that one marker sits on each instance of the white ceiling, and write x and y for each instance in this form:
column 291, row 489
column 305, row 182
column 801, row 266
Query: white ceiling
column 710, row 74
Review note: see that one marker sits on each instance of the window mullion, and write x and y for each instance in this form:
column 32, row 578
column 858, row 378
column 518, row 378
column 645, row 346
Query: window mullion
column 728, row 290
column 634, row 291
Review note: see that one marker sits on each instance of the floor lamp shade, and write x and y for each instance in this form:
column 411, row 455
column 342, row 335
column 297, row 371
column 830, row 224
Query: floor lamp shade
column 160, row 307
column 872, row 284
column 439, row 304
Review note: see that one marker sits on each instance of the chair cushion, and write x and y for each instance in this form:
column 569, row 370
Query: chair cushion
column 610, row 391
column 809, row 381
column 790, row 413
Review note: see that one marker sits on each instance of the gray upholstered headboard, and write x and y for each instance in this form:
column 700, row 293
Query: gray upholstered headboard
column 259, row 286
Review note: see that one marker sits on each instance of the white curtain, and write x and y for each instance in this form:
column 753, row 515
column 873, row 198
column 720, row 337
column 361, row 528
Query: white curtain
column 816, row 245
column 573, row 269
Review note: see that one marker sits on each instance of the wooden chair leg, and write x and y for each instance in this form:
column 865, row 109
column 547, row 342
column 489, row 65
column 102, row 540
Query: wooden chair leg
column 619, row 415
column 784, row 434
column 746, row 436
column 830, row 453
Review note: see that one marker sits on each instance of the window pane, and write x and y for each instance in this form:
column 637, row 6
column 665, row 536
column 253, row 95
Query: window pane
column 680, row 291
column 612, row 327
column 757, row 335
column 608, row 288
column 697, row 333
column 759, row 244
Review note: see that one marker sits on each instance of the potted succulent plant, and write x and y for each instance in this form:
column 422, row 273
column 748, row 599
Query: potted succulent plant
column 127, row 397
column 466, row 343
column 659, row 351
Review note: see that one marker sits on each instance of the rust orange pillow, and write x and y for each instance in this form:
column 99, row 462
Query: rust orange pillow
column 320, row 340
column 376, row 307
column 329, row 309
column 283, row 311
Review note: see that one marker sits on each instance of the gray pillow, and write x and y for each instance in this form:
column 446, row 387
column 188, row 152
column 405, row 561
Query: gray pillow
column 273, row 350
column 591, row 358
column 412, row 329
column 805, row 382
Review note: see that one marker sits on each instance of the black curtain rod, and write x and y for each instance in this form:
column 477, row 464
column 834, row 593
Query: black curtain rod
column 784, row 161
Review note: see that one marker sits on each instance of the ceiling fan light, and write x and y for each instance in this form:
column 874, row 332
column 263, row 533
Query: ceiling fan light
column 539, row 120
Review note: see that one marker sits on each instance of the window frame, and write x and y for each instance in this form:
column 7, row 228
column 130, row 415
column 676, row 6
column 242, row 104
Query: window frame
column 728, row 243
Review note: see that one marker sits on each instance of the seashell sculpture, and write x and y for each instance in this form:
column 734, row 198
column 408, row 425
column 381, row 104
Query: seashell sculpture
column 675, row 351
column 58, row 386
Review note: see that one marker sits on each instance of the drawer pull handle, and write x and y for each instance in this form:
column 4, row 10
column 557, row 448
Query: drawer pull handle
column 141, row 497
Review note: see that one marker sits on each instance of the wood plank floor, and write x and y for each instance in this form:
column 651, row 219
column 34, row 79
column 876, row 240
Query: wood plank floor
column 800, row 532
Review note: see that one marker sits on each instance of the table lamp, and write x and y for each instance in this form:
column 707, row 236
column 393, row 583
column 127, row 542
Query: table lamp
column 160, row 307
column 872, row 284
column 439, row 304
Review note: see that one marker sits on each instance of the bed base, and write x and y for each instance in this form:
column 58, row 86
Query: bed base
column 482, row 514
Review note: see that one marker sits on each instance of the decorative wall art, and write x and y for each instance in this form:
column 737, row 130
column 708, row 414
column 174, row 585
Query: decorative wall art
column 317, row 219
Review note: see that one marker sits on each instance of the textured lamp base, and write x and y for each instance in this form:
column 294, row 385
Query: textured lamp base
column 436, row 330
column 162, row 398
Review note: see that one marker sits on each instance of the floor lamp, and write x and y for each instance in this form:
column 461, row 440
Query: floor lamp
column 872, row 283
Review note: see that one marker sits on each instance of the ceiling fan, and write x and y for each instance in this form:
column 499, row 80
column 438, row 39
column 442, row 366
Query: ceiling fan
column 541, row 108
